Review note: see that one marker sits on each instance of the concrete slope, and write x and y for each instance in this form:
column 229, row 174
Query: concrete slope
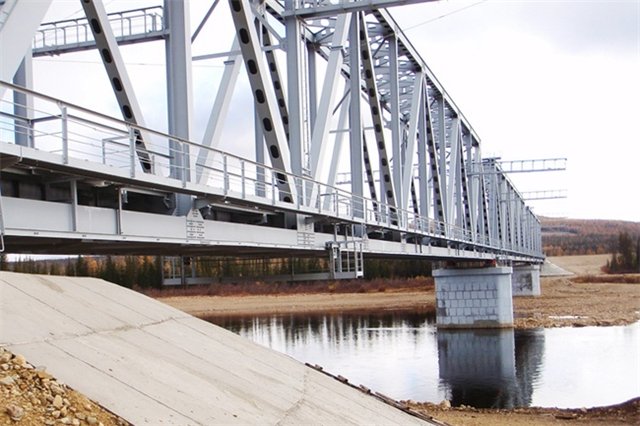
column 152, row 364
column 549, row 269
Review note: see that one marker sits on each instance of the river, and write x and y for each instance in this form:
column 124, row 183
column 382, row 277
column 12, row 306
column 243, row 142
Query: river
column 404, row 356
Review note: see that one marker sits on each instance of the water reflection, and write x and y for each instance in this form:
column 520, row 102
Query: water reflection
column 403, row 356
column 485, row 368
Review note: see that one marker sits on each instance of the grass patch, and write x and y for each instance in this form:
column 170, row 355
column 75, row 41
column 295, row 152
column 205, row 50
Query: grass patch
column 378, row 285
column 607, row 279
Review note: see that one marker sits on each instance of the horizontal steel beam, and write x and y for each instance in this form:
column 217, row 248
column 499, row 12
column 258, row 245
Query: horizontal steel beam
column 319, row 9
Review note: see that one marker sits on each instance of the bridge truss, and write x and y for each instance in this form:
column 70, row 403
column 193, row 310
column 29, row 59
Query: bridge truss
column 337, row 89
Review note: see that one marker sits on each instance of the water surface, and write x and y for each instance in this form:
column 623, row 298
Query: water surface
column 405, row 357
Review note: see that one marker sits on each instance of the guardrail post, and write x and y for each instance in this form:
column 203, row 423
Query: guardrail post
column 132, row 151
column 273, row 188
column 225, row 175
column 242, row 179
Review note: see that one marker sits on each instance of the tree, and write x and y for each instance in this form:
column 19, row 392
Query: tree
column 625, row 246
column 108, row 271
column 627, row 257
column 638, row 254
column 82, row 269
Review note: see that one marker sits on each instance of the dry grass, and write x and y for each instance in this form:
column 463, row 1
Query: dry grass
column 608, row 279
column 256, row 288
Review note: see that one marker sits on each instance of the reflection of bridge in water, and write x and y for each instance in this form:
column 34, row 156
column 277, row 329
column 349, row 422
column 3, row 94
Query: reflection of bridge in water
column 490, row 368
column 398, row 354
column 336, row 87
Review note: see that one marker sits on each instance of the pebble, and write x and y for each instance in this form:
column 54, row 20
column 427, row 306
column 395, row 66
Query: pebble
column 15, row 412
column 19, row 360
column 7, row 381
column 57, row 401
column 92, row 420
column 56, row 389
column 44, row 375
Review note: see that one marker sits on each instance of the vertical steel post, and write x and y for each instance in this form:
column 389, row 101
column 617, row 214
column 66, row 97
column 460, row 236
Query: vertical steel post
column 294, row 86
column 355, row 119
column 394, row 106
column 179, row 94
column 65, row 133
column 73, row 187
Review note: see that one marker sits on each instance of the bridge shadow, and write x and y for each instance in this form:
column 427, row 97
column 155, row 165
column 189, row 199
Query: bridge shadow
column 490, row 368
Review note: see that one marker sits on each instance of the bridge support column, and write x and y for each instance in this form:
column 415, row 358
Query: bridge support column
column 474, row 298
column 525, row 280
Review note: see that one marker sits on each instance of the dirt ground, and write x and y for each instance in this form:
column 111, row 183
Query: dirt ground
column 30, row 396
column 211, row 306
column 627, row 413
column 581, row 265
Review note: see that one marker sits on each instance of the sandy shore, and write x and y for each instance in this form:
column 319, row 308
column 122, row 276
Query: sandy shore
column 627, row 413
column 211, row 306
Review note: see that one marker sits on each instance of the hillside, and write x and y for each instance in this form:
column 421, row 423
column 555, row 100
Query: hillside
column 562, row 236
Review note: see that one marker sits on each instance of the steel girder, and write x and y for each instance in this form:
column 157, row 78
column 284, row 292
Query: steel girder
column 116, row 70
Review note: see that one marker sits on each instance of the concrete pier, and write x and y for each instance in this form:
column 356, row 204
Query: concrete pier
column 525, row 280
column 474, row 298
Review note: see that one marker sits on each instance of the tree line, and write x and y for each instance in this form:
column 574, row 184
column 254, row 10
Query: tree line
column 626, row 257
column 128, row 271
column 149, row 271
column 563, row 237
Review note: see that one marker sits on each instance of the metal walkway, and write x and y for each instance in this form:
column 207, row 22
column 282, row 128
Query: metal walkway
column 76, row 181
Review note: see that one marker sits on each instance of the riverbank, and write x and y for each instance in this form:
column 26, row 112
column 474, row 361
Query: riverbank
column 627, row 413
column 583, row 299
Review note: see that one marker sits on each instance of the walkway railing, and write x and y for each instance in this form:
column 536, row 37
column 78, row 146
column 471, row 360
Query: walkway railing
column 79, row 138
column 74, row 34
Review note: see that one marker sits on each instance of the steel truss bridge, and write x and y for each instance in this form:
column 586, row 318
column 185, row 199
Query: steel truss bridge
column 337, row 89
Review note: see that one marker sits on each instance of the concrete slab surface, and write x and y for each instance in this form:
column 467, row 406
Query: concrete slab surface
column 549, row 269
column 152, row 364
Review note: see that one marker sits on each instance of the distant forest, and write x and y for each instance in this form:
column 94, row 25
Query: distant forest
column 143, row 272
column 564, row 237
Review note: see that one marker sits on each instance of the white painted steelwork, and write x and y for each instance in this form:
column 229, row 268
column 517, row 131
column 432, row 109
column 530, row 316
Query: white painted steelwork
column 437, row 196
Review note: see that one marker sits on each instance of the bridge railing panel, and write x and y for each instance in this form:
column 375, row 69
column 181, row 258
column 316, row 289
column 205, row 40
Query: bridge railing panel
column 74, row 32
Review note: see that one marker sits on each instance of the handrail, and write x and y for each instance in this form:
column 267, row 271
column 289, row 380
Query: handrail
column 233, row 169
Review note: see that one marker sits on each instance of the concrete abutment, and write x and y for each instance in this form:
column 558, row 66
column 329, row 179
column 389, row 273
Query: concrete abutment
column 525, row 280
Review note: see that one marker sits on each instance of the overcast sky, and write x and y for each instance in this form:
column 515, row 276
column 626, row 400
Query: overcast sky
column 543, row 79
column 536, row 79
